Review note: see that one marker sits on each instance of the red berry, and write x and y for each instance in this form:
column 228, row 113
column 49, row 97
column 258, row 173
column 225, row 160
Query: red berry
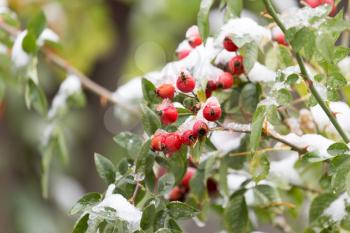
column 182, row 54
column 157, row 143
column 188, row 138
column 200, row 129
column 195, row 41
column 168, row 115
column 278, row 36
column 211, row 86
column 235, row 65
column 176, row 194
column 166, row 91
column 172, row 142
column 212, row 186
column 212, row 112
column 185, row 82
column 229, row 45
column 316, row 3
column 193, row 36
column 188, row 176
column 225, row 80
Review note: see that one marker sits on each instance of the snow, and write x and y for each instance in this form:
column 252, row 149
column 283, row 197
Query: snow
column 260, row 73
column 69, row 86
column 342, row 112
column 47, row 35
column 19, row 56
column 312, row 142
column 235, row 180
column 124, row 210
column 344, row 66
column 301, row 17
column 243, row 28
column 336, row 209
column 226, row 141
column 284, row 169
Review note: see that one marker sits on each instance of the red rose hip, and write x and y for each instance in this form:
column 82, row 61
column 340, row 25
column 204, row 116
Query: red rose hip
column 176, row 194
column 185, row 82
column 168, row 115
column 188, row 176
column 188, row 138
column 235, row 65
column 229, row 45
column 225, row 80
column 172, row 142
column 211, row 86
column 212, row 112
column 157, row 142
column 166, row 91
column 200, row 129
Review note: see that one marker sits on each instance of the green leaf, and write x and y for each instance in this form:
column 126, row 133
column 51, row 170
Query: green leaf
column 319, row 204
column 130, row 142
column 345, row 222
column 166, row 183
column 203, row 18
column 151, row 121
column 148, row 90
column 85, row 202
column 325, row 46
column 337, row 148
column 180, row 210
column 142, row 156
column 81, row 225
column 259, row 167
column 37, row 24
column 249, row 98
column 283, row 96
column 178, row 164
column 35, row 97
column 336, row 81
column 45, row 168
column 292, row 79
column 338, row 182
column 105, row 168
column 264, row 195
column 148, row 216
column 301, row 38
column 236, row 214
column 234, row 7
column 340, row 53
column 256, row 128
column 29, row 43
column 286, row 58
column 172, row 224
column 250, row 53
column 164, row 230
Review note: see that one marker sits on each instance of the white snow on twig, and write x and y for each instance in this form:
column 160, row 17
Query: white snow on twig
column 260, row 73
column 69, row 87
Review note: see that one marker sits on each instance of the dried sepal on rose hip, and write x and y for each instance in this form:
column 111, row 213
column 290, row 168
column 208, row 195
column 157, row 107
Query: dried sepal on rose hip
column 166, row 91
column 168, row 113
column 235, row 65
column 185, row 82
column 212, row 110
column 193, row 36
column 225, row 81
column 188, row 138
column 200, row 129
column 229, row 45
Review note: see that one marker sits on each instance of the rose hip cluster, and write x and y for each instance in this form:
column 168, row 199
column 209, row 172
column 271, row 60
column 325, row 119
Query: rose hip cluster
column 193, row 39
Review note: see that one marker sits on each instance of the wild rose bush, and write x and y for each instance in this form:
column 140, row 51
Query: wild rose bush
column 250, row 123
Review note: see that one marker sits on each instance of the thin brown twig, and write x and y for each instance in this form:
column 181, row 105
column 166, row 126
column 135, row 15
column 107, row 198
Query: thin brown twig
column 64, row 64
column 137, row 188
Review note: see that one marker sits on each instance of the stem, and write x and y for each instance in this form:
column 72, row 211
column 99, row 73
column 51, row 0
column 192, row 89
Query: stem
column 63, row 64
column 306, row 77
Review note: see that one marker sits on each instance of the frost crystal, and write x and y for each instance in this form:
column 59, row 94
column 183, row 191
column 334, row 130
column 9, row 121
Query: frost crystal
column 123, row 209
